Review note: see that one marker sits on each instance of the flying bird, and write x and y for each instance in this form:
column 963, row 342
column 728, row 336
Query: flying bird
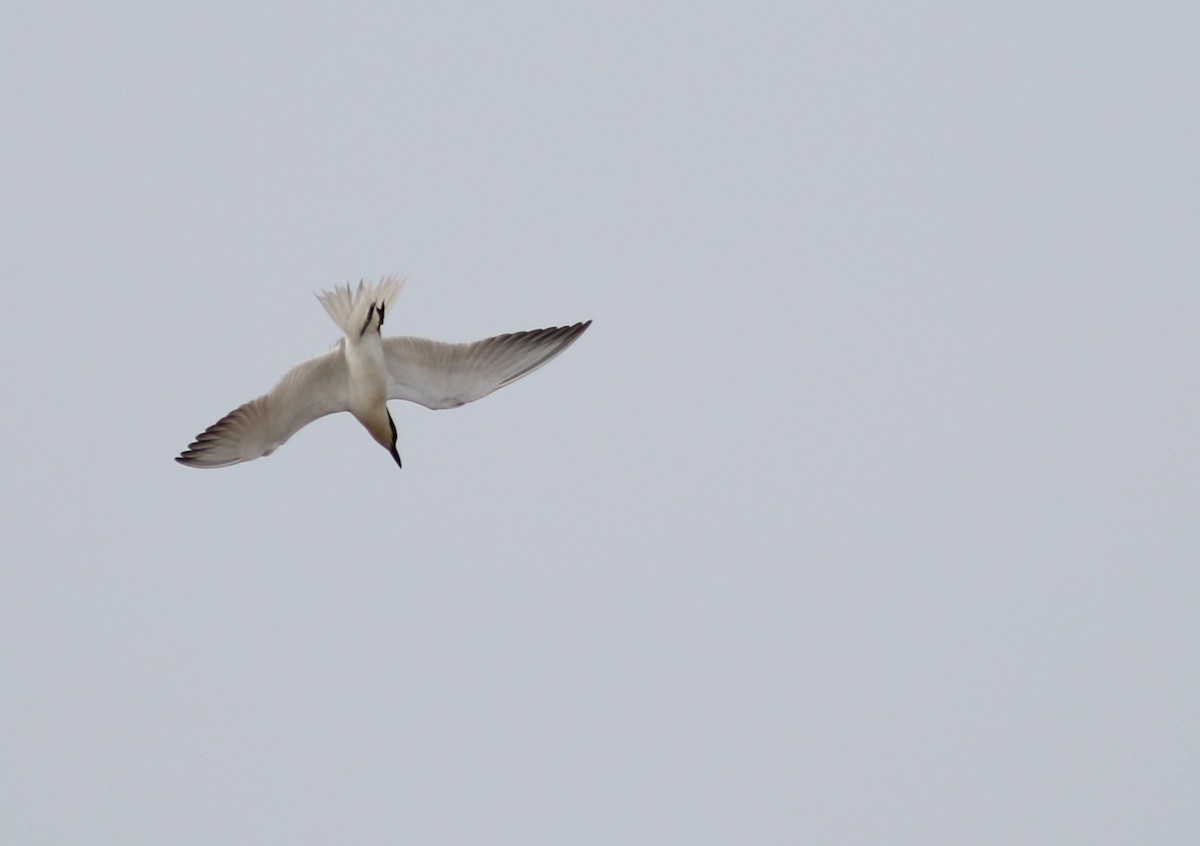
column 364, row 370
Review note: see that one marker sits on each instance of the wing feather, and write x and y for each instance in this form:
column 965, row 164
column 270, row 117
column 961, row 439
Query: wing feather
column 439, row 375
column 306, row 392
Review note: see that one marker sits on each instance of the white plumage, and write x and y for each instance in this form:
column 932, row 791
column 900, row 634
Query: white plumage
column 365, row 370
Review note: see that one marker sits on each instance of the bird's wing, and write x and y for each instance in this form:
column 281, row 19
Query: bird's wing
column 438, row 375
column 308, row 391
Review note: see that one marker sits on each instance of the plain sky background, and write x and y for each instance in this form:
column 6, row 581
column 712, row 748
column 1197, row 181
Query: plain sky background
column 865, row 513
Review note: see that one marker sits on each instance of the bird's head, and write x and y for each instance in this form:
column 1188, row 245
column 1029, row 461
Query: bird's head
column 383, row 430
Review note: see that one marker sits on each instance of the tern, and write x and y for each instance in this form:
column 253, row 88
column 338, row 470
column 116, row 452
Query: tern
column 364, row 370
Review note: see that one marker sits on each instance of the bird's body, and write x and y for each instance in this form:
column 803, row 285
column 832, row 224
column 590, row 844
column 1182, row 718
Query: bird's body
column 365, row 370
column 366, row 396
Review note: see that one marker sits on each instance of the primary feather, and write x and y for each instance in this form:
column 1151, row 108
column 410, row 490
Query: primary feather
column 257, row 428
column 440, row 375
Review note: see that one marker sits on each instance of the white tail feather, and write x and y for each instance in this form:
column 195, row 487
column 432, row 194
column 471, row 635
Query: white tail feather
column 351, row 309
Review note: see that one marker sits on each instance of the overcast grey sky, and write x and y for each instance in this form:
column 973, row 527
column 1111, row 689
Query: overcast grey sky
column 866, row 511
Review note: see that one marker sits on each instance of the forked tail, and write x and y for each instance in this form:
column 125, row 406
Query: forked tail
column 360, row 311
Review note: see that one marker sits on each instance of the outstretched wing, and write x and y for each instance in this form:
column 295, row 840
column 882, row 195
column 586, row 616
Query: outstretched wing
column 438, row 375
column 308, row 391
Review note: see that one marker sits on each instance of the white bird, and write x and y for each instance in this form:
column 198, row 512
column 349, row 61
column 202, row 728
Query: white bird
column 365, row 370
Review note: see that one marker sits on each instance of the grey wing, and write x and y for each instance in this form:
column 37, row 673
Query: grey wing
column 308, row 391
column 439, row 375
